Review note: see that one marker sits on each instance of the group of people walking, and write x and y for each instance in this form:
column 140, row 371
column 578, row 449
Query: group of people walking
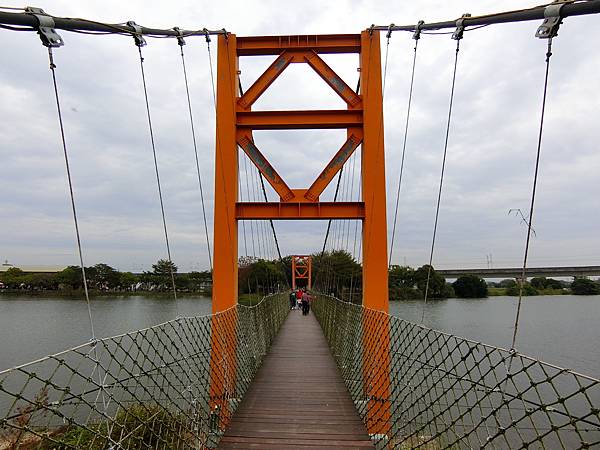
column 300, row 299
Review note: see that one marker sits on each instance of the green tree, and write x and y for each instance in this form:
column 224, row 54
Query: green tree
column 528, row 290
column 69, row 277
column 585, row 286
column 539, row 282
column 401, row 283
column 127, row 279
column 508, row 283
column 13, row 277
column 103, row 275
column 164, row 267
column 338, row 272
column 437, row 283
column 470, row 286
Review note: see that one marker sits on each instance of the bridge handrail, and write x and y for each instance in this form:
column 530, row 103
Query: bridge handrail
column 154, row 386
column 447, row 391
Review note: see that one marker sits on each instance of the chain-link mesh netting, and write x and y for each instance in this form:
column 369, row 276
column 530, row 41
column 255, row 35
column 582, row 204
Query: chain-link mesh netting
column 448, row 392
column 156, row 388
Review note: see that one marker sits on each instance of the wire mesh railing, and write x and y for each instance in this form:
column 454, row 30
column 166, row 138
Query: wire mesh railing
column 448, row 392
column 170, row 386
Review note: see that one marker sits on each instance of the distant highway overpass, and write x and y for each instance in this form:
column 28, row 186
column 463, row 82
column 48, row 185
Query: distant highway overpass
column 515, row 272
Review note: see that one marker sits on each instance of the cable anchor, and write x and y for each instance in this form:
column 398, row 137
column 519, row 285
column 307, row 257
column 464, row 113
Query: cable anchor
column 418, row 29
column 460, row 27
column 180, row 40
column 207, row 34
column 552, row 20
column 389, row 31
column 137, row 34
column 50, row 38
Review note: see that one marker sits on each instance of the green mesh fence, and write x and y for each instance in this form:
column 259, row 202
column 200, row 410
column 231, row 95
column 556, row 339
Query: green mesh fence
column 149, row 389
column 450, row 392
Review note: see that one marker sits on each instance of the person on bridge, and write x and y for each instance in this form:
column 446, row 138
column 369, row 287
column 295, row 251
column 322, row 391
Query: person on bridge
column 305, row 303
column 299, row 298
column 292, row 299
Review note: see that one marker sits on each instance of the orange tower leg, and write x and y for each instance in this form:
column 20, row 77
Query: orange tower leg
column 376, row 343
column 225, row 272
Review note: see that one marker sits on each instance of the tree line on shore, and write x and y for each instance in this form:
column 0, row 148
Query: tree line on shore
column 104, row 278
column 333, row 272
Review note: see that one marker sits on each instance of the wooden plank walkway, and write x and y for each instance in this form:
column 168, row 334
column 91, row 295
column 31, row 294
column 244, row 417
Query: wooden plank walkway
column 298, row 399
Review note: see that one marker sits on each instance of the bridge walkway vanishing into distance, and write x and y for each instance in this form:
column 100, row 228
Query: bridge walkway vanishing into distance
column 298, row 399
column 197, row 382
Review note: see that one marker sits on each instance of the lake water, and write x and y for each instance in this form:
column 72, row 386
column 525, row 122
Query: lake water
column 563, row 330
column 558, row 329
column 33, row 327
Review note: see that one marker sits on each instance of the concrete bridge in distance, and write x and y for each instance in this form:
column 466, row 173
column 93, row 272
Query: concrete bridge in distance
column 515, row 272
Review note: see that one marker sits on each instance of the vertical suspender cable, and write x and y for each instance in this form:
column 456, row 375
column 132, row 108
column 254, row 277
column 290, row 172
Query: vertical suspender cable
column 189, row 102
column 410, row 95
column 439, row 197
column 533, row 190
column 74, row 210
column 160, row 197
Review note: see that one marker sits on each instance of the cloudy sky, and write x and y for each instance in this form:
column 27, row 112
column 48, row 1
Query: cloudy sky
column 491, row 151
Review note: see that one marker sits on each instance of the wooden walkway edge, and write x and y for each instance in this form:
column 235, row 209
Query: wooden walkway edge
column 298, row 399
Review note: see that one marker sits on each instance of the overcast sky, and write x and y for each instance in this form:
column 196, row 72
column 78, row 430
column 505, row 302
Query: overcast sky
column 491, row 151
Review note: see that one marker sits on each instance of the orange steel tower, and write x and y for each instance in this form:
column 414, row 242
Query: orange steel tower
column 302, row 270
column 363, row 120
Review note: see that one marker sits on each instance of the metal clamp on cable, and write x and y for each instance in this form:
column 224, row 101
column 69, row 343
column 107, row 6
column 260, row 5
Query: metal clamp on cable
column 180, row 40
column 207, row 35
column 137, row 34
column 418, row 29
column 48, row 34
column 552, row 20
column 460, row 27
column 389, row 32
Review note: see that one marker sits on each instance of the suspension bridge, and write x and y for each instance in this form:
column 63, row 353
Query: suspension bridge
column 237, row 378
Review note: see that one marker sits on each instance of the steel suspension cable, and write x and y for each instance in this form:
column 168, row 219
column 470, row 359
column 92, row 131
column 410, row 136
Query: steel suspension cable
column 160, row 197
column 262, row 183
column 189, row 102
column 439, row 197
column 533, row 192
column 408, row 108
column 71, row 192
column 321, row 269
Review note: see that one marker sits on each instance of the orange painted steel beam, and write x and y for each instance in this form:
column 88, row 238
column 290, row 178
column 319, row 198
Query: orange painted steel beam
column 299, row 211
column 333, row 80
column 376, row 349
column 225, row 270
column 334, row 165
column 265, row 80
column 245, row 141
column 293, row 120
column 320, row 43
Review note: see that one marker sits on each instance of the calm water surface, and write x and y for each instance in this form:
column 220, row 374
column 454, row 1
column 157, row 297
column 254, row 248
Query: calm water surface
column 33, row 327
column 564, row 330
column 559, row 329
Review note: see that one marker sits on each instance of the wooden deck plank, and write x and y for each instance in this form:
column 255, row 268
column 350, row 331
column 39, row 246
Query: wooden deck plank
column 298, row 399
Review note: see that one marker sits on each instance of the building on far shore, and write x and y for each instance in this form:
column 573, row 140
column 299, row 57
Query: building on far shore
column 31, row 269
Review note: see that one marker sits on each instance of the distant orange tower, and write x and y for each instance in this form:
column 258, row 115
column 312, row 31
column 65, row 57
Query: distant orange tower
column 302, row 270
column 363, row 121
